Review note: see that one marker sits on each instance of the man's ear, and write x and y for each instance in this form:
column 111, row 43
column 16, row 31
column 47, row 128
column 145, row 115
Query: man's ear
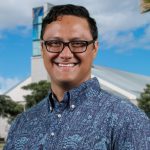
column 95, row 50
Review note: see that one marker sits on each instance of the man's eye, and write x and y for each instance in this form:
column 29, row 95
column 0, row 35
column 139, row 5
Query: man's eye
column 54, row 43
column 78, row 44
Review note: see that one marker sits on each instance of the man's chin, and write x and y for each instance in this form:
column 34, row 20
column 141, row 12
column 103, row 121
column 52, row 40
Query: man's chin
column 67, row 82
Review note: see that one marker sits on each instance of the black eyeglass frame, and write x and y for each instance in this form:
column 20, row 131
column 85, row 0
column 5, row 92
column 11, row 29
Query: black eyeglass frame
column 67, row 44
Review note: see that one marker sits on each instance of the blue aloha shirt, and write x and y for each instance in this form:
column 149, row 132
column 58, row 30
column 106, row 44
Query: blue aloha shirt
column 88, row 118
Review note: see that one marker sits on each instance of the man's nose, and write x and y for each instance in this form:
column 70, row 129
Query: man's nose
column 66, row 52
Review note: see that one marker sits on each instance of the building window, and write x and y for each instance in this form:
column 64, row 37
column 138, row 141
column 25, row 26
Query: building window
column 37, row 15
column 37, row 20
column 36, row 48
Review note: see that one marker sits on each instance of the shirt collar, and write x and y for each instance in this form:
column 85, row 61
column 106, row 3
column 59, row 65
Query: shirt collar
column 72, row 98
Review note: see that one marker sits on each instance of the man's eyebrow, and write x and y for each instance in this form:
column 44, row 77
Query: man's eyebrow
column 55, row 38
column 76, row 39
column 61, row 39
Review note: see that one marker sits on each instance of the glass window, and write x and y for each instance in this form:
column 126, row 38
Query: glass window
column 37, row 15
column 40, row 19
column 36, row 48
column 35, row 32
column 39, row 30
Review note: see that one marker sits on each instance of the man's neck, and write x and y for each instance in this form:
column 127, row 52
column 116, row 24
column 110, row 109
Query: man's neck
column 59, row 94
column 58, row 91
column 61, row 88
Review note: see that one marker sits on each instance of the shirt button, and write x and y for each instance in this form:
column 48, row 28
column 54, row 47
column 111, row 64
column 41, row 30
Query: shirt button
column 72, row 106
column 59, row 115
column 52, row 134
column 51, row 108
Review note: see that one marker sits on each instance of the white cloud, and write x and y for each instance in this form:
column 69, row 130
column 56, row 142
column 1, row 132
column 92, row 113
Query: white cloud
column 126, row 41
column 7, row 83
column 144, row 41
column 112, row 17
column 15, row 13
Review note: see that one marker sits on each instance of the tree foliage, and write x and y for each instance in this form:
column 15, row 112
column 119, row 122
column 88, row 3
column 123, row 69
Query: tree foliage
column 38, row 92
column 144, row 100
column 9, row 108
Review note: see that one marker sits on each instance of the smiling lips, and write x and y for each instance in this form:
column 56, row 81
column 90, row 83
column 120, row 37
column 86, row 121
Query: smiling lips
column 66, row 64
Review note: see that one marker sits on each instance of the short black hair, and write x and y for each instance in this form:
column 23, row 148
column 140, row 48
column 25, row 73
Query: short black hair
column 69, row 9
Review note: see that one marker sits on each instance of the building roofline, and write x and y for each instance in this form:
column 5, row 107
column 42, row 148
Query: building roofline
column 121, row 71
column 5, row 93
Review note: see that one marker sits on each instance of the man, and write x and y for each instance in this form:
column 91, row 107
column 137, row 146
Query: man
column 77, row 114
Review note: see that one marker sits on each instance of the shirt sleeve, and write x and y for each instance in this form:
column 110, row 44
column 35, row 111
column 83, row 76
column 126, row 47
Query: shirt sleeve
column 9, row 145
column 133, row 130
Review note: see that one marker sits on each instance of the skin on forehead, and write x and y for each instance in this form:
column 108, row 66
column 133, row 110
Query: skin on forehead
column 60, row 26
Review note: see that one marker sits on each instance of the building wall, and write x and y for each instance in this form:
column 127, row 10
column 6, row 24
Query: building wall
column 4, row 127
column 38, row 71
column 17, row 93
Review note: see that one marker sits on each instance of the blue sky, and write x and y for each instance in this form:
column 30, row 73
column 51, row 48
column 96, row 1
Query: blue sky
column 124, row 37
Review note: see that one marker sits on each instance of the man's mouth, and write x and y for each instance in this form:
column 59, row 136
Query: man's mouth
column 66, row 64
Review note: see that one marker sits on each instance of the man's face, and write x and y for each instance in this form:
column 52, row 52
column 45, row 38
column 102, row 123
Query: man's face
column 67, row 68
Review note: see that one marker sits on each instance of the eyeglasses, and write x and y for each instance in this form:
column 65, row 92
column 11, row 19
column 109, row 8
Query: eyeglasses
column 56, row 46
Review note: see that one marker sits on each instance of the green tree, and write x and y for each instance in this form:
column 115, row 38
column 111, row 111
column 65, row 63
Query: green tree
column 9, row 108
column 144, row 100
column 38, row 92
